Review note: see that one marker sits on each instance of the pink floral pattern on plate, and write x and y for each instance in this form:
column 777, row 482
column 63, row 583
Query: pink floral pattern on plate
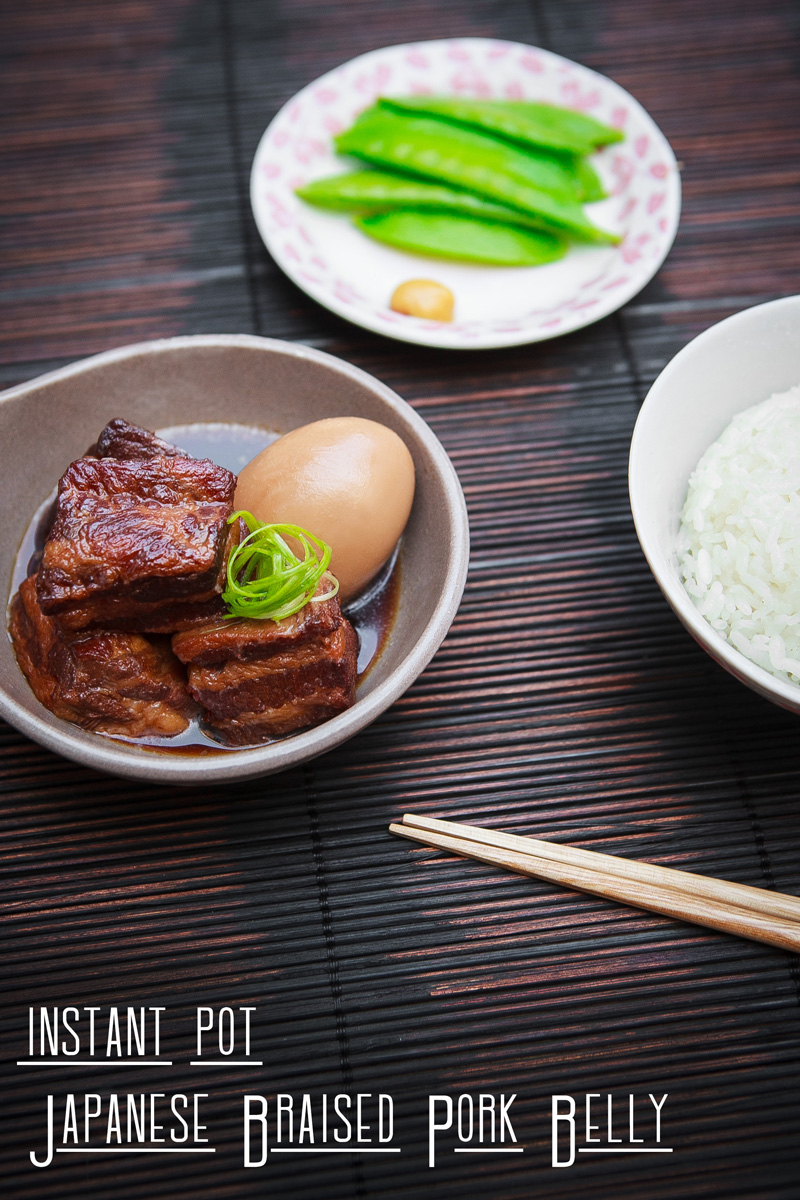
column 640, row 173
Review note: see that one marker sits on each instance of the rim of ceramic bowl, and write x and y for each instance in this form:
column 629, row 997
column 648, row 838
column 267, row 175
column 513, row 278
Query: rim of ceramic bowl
column 113, row 756
column 780, row 691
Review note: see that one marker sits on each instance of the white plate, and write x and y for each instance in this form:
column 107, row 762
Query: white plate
column 336, row 264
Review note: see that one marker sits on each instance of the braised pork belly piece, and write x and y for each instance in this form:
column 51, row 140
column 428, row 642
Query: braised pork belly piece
column 120, row 439
column 258, row 680
column 117, row 683
column 164, row 618
column 246, row 641
column 130, row 536
column 158, row 617
column 299, row 712
column 227, row 689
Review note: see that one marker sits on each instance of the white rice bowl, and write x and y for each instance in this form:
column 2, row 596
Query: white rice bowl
column 739, row 537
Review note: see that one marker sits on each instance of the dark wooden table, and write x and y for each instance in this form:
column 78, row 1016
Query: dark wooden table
column 566, row 701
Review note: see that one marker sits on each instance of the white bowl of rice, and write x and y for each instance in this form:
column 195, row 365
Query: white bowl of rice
column 714, row 481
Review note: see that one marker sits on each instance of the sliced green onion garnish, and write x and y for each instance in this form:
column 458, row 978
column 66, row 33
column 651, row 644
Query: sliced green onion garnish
column 267, row 580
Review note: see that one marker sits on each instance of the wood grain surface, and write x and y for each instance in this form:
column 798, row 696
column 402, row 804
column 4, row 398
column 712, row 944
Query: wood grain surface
column 566, row 703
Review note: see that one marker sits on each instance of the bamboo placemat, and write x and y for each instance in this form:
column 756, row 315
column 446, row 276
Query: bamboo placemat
column 566, row 703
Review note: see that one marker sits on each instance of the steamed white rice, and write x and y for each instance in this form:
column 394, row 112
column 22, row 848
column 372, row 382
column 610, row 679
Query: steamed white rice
column 739, row 539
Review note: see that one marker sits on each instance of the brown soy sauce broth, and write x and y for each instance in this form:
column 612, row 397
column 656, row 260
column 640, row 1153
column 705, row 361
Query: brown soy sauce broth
column 233, row 446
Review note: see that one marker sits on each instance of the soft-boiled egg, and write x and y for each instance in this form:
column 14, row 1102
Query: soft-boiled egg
column 347, row 480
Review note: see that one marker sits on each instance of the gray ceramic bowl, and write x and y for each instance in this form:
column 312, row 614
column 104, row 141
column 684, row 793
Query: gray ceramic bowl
column 255, row 381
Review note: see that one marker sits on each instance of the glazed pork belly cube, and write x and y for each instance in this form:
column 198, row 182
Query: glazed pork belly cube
column 300, row 712
column 120, row 439
column 243, row 640
column 131, row 536
column 117, row 683
column 258, row 680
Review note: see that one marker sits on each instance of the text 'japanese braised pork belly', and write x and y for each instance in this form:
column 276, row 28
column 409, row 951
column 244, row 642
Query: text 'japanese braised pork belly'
column 145, row 542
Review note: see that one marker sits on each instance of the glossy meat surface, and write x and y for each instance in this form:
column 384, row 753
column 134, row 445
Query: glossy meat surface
column 164, row 617
column 302, row 712
column 244, row 640
column 230, row 688
column 258, row 680
column 118, row 683
column 129, row 535
column 120, row 439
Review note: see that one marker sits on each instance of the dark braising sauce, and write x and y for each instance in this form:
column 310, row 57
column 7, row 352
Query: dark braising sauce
column 231, row 446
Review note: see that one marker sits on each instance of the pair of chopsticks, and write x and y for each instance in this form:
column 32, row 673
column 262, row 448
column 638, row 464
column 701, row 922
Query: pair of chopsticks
column 736, row 908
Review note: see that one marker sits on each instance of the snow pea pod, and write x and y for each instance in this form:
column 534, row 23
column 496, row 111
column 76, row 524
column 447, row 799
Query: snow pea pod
column 469, row 160
column 530, row 123
column 446, row 235
column 418, row 143
column 577, row 176
column 588, row 180
column 373, row 191
column 379, row 191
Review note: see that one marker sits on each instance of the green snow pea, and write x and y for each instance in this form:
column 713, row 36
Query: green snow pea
column 586, row 185
column 422, row 144
column 373, row 191
column 469, row 160
column 578, row 177
column 558, row 171
column 591, row 188
column 446, row 235
column 523, row 121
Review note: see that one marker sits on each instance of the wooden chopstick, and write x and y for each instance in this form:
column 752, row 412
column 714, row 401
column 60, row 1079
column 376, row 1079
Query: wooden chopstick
column 730, row 908
column 741, row 895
